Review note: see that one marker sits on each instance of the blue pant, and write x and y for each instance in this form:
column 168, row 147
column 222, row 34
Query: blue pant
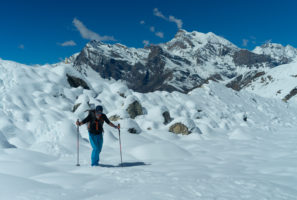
column 96, row 143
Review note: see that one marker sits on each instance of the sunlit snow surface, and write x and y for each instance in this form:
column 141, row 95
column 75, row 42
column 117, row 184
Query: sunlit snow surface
column 231, row 159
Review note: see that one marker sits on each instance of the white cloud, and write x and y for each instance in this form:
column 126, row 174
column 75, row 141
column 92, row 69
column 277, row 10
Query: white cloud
column 88, row 34
column 67, row 43
column 142, row 22
column 178, row 22
column 159, row 14
column 160, row 34
column 245, row 42
column 146, row 42
column 152, row 29
column 21, row 46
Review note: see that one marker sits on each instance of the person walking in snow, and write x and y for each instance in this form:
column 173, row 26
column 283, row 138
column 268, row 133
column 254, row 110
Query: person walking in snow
column 95, row 120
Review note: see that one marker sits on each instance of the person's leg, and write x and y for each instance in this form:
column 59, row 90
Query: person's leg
column 95, row 143
column 100, row 145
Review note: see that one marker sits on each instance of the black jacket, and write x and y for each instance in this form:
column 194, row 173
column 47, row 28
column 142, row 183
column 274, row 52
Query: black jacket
column 95, row 126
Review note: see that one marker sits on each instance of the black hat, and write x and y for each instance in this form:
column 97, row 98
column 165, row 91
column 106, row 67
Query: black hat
column 99, row 109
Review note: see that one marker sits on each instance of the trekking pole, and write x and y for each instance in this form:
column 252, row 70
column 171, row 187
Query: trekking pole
column 77, row 164
column 120, row 145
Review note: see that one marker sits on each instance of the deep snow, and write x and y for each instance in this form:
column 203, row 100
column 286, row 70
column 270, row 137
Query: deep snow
column 231, row 159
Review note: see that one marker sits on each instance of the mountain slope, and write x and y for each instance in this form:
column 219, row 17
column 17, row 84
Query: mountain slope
column 279, row 82
column 184, row 63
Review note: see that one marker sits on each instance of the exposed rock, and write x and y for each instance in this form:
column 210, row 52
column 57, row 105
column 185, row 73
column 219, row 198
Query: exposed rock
column 167, row 118
column 132, row 130
column 290, row 95
column 244, row 117
column 179, row 128
column 199, row 115
column 134, row 109
column 114, row 118
column 131, row 126
column 249, row 59
column 215, row 78
column 243, row 80
column 122, row 95
column 177, row 65
column 76, row 82
column 75, row 107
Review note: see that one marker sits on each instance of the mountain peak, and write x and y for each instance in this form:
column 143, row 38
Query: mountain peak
column 277, row 51
column 198, row 39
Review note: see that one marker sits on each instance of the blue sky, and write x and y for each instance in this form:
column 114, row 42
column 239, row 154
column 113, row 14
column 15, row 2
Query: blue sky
column 46, row 31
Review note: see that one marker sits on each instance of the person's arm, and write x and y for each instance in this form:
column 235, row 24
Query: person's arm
column 110, row 123
column 87, row 119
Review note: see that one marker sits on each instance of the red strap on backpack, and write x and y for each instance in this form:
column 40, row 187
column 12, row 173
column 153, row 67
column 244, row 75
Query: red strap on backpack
column 97, row 125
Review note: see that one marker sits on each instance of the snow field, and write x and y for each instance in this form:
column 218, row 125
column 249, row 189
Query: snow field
column 231, row 159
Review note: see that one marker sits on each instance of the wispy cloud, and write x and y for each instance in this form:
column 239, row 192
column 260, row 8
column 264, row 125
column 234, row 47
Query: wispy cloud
column 160, row 34
column 146, row 42
column 152, row 29
column 89, row 34
column 67, row 43
column 178, row 22
column 245, row 42
column 21, row 46
column 159, row 14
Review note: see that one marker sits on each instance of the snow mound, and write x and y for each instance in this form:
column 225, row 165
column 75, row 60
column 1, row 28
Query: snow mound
column 4, row 143
column 234, row 157
column 159, row 151
column 239, row 134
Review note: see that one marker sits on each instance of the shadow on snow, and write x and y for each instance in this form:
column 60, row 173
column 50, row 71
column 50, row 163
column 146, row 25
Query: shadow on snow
column 125, row 164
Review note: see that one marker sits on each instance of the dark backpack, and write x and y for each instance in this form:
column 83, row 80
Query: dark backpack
column 92, row 112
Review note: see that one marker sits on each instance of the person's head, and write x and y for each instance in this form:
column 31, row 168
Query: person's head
column 99, row 110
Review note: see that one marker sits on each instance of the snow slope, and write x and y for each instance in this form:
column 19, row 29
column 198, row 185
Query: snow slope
column 278, row 82
column 231, row 159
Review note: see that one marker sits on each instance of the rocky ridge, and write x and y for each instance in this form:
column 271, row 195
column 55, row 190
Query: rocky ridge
column 185, row 62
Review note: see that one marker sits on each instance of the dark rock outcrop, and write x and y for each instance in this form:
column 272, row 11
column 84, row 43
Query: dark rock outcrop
column 75, row 107
column 178, row 65
column 132, row 130
column 76, row 82
column 290, row 95
column 250, row 59
column 167, row 118
column 243, row 80
column 134, row 109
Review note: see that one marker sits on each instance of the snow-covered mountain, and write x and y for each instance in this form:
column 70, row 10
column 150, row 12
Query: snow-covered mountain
column 279, row 82
column 186, row 62
column 277, row 51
